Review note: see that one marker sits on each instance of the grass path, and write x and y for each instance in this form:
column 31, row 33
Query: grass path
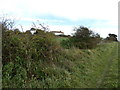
column 109, row 77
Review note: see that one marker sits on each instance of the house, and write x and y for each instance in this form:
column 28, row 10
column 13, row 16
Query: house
column 57, row 32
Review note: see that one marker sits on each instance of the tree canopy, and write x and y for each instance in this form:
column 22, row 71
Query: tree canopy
column 85, row 38
column 112, row 37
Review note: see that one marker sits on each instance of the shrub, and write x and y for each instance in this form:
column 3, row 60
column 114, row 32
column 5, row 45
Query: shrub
column 112, row 37
column 21, row 51
column 84, row 38
column 66, row 43
column 44, row 44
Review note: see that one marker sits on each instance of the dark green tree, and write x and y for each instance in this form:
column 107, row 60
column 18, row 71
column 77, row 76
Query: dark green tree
column 85, row 38
column 112, row 37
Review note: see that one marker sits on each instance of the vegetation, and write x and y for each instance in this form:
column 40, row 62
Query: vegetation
column 82, row 39
column 43, row 60
column 112, row 37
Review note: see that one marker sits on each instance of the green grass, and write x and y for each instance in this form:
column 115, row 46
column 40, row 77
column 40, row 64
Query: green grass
column 58, row 38
column 72, row 68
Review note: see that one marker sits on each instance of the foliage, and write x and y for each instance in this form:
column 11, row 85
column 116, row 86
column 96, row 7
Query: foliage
column 67, row 43
column 84, row 38
column 21, row 50
column 112, row 37
column 38, row 61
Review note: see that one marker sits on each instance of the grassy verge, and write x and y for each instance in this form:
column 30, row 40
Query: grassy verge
column 72, row 68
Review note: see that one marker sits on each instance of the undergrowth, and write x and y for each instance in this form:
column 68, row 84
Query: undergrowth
column 38, row 61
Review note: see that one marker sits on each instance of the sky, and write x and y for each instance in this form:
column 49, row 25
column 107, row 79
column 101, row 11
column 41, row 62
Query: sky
column 100, row 16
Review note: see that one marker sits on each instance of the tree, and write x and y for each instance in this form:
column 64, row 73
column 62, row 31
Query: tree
column 85, row 38
column 112, row 37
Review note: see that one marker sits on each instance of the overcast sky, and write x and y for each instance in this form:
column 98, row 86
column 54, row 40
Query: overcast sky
column 101, row 16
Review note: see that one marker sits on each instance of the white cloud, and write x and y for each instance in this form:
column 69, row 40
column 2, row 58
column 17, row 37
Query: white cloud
column 71, row 9
column 106, row 31
column 41, row 20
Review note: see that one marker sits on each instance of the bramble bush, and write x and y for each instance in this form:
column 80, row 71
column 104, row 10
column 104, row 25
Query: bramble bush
column 22, row 51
